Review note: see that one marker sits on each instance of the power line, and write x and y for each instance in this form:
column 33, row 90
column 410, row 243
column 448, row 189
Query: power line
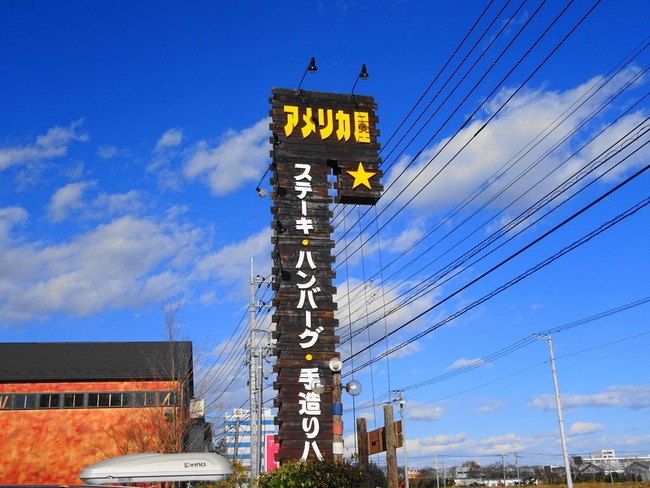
column 484, row 125
column 519, row 345
column 616, row 70
column 631, row 211
column 525, row 216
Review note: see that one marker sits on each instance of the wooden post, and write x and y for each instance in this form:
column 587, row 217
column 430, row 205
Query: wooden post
column 391, row 450
column 362, row 442
column 337, row 417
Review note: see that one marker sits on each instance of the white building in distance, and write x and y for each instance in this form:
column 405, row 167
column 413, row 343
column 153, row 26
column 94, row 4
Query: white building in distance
column 238, row 436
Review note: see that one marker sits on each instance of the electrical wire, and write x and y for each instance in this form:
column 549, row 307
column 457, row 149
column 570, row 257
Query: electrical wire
column 491, row 358
column 624, row 141
column 631, row 211
column 484, row 125
column 501, row 171
column 621, row 65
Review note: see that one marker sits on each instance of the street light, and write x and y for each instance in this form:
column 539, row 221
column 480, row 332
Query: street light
column 319, row 387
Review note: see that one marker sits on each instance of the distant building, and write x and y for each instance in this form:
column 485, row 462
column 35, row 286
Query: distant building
column 607, row 458
column 604, row 463
column 605, row 454
column 64, row 406
column 639, row 470
column 238, row 436
column 589, row 470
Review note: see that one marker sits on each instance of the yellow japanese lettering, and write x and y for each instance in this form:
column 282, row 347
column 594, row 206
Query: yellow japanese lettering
column 361, row 127
column 343, row 129
column 309, row 127
column 292, row 119
column 326, row 122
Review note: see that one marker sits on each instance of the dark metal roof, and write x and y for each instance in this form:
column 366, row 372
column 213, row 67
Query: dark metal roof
column 36, row 362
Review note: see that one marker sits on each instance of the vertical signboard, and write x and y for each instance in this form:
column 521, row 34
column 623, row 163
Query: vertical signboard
column 324, row 150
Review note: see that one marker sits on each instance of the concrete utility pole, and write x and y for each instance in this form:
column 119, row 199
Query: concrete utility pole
column 260, row 406
column 567, row 465
column 437, row 473
column 517, row 466
column 255, row 380
column 252, row 382
column 444, row 472
column 236, row 438
column 399, row 398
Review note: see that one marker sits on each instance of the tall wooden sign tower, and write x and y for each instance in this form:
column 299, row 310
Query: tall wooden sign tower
column 325, row 150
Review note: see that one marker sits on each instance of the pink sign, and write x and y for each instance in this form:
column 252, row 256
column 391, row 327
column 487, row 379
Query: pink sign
column 271, row 448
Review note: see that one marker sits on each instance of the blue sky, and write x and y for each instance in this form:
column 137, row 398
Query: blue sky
column 133, row 136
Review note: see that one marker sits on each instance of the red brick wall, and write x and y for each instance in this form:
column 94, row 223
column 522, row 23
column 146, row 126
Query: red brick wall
column 52, row 446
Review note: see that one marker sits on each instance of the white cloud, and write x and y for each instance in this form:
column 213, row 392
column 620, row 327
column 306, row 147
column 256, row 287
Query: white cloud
column 501, row 444
column 424, row 412
column 161, row 165
column 494, row 407
column 71, row 198
column 625, row 440
column 124, row 263
column 626, row 129
column 580, row 428
column 10, row 217
column 239, row 157
column 364, row 307
column 415, row 230
column 107, row 152
column 435, row 444
column 67, row 198
column 50, row 145
column 528, row 114
column 171, row 138
column 626, row 396
column 117, row 203
column 463, row 363
column 220, row 366
column 461, row 443
column 232, row 262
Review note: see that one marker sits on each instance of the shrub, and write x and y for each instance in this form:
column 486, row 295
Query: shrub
column 376, row 477
column 314, row 474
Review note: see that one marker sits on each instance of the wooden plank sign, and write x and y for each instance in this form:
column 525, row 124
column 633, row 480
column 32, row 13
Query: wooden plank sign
column 317, row 137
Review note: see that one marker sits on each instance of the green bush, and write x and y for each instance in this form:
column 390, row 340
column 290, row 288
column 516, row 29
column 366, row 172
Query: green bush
column 376, row 477
column 314, row 474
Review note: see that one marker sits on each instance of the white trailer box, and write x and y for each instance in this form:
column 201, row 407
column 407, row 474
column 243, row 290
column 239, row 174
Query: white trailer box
column 146, row 467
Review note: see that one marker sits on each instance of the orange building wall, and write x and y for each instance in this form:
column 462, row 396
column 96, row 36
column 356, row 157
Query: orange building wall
column 52, row 446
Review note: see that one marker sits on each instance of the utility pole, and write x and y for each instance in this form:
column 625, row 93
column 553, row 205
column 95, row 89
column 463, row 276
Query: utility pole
column 362, row 437
column 252, row 382
column 236, row 438
column 260, row 405
column 567, row 465
column 517, row 466
column 437, row 473
column 399, row 398
column 444, row 472
column 391, row 456
column 503, row 464
column 337, row 417
column 255, row 380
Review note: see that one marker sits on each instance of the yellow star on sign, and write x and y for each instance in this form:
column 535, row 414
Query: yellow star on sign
column 361, row 177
